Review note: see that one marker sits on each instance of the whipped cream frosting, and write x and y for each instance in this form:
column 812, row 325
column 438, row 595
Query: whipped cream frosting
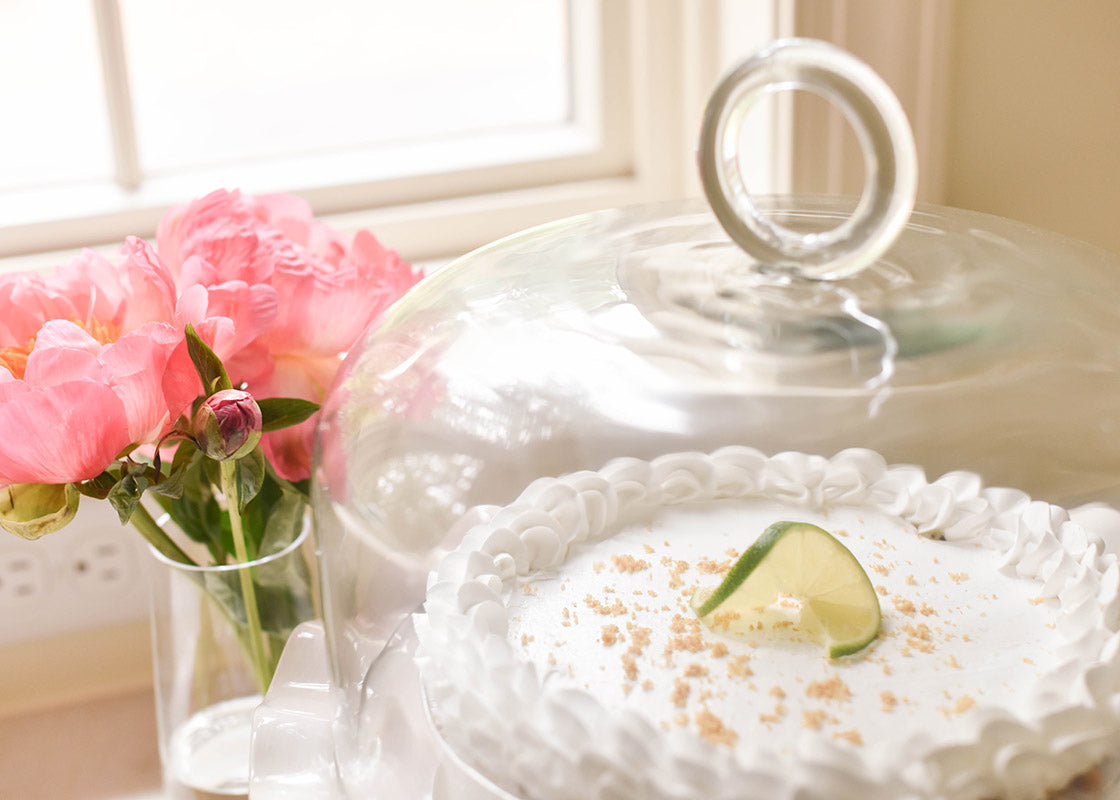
column 561, row 660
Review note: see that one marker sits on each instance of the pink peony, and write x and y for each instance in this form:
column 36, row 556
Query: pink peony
column 328, row 291
column 227, row 425
column 93, row 359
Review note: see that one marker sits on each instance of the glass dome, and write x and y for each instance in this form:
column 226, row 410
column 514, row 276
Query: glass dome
column 969, row 343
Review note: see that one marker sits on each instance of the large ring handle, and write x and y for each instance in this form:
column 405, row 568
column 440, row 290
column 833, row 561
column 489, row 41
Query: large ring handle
column 880, row 124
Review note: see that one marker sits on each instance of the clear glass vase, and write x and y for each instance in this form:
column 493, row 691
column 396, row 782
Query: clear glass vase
column 212, row 663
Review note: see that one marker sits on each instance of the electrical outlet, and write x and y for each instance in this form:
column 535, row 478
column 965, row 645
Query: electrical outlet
column 23, row 579
column 92, row 573
column 101, row 563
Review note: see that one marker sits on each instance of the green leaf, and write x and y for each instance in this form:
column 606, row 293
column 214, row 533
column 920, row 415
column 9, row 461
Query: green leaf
column 206, row 362
column 250, row 477
column 126, row 494
column 285, row 520
column 174, row 482
column 196, row 510
column 283, row 412
column 98, row 488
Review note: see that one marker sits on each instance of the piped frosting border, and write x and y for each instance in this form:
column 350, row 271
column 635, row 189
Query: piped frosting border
column 544, row 741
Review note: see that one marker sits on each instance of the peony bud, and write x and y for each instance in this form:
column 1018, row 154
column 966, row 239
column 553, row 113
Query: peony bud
column 227, row 425
column 31, row 510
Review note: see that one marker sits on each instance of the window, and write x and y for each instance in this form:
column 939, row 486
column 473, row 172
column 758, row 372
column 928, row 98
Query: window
column 441, row 124
column 136, row 105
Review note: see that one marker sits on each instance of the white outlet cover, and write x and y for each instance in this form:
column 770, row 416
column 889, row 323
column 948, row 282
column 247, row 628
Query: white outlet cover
column 93, row 572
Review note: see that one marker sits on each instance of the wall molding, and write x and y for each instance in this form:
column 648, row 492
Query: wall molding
column 910, row 45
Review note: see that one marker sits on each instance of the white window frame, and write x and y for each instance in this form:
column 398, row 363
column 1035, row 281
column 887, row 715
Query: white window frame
column 657, row 62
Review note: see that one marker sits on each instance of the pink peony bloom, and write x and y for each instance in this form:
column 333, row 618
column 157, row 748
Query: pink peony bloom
column 93, row 359
column 328, row 291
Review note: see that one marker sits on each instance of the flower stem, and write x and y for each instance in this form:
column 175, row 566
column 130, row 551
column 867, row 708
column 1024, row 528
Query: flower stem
column 156, row 536
column 257, row 645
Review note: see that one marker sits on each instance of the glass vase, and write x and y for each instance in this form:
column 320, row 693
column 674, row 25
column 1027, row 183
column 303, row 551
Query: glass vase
column 212, row 663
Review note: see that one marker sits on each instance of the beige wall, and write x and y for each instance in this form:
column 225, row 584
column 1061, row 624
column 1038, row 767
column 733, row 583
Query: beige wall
column 1015, row 105
column 1034, row 123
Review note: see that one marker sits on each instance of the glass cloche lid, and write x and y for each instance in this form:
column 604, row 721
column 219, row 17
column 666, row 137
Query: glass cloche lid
column 937, row 337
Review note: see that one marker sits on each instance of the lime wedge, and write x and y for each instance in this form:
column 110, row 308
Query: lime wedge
column 796, row 576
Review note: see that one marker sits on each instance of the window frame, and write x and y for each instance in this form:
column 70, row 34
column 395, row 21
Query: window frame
column 655, row 64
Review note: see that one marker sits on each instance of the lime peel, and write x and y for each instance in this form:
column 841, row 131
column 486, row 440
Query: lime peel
column 833, row 600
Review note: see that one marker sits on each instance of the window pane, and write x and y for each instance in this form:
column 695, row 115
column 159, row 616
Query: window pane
column 258, row 78
column 55, row 127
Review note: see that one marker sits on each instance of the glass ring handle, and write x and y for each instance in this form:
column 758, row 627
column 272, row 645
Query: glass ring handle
column 880, row 125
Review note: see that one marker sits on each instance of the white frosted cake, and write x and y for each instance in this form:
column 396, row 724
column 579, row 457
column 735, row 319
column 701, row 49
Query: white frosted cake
column 562, row 660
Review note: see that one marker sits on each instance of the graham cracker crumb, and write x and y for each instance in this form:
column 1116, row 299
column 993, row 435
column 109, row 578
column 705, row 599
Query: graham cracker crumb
column 629, row 564
column 769, row 719
column 920, row 631
column 739, row 667
column 903, row 605
column 881, row 590
column 695, row 670
column 692, row 643
column 963, row 704
column 888, row 700
column 615, row 609
column 629, row 666
column 778, row 692
column 957, row 577
column 679, row 696
column 676, row 569
column 712, row 729
column 852, row 737
column 831, row 689
column 719, row 650
column 882, row 570
column 710, row 567
column 526, row 638
column 639, row 637
column 682, row 624
column 610, row 635
column 815, row 719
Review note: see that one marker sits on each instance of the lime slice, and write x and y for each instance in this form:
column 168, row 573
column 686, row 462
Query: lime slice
column 796, row 576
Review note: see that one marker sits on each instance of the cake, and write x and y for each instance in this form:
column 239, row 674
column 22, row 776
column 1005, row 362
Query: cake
column 561, row 659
